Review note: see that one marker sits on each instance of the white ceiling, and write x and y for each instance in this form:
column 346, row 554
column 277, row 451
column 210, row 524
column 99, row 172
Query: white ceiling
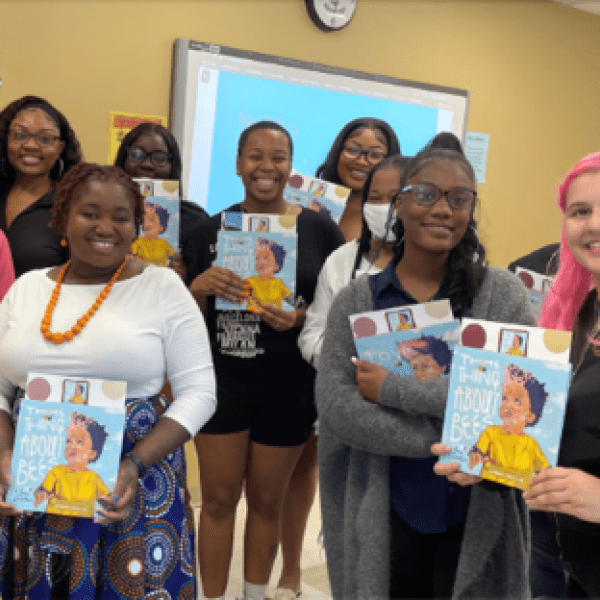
column 591, row 6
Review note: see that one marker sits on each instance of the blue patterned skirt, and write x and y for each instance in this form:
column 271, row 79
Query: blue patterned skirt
column 148, row 555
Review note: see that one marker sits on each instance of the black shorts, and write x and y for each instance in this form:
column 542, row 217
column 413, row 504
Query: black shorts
column 272, row 398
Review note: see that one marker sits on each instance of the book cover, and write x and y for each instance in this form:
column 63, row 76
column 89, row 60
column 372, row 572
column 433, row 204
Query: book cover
column 262, row 249
column 517, row 340
column 412, row 316
column 504, row 414
column 424, row 353
column 537, row 285
column 67, row 444
column 159, row 238
column 316, row 194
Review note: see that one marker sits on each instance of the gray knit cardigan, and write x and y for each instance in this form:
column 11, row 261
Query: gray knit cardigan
column 357, row 438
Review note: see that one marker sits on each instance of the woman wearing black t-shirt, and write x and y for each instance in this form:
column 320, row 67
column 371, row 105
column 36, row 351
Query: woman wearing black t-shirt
column 264, row 387
column 572, row 490
column 37, row 147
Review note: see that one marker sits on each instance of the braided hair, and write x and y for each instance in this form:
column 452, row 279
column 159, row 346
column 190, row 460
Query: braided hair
column 83, row 174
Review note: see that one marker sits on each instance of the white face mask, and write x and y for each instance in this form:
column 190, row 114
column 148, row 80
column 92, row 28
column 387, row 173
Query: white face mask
column 376, row 216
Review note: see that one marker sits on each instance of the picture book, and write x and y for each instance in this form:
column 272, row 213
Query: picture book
column 424, row 353
column 316, row 194
column 537, row 285
column 159, row 238
column 68, row 444
column 262, row 249
column 413, row 316
column 504, row 414
column 517, row 340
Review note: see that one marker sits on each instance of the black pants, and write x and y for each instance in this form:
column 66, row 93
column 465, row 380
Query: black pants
column 423, row 565
column 583, row 581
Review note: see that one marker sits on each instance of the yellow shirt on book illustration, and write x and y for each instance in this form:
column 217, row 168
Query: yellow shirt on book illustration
column 513, row 458
column 156, row 251
column 267, row 291
column 74, row 492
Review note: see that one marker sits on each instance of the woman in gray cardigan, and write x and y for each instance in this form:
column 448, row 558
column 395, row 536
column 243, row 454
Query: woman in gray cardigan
column 384, row 535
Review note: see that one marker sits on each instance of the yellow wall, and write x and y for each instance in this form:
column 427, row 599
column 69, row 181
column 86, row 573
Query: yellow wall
column 532, row 69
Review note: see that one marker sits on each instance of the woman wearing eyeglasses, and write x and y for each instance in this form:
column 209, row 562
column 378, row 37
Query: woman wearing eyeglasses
column 392, row 527
column 37, row 147
column 150, row 151
column 358, row 147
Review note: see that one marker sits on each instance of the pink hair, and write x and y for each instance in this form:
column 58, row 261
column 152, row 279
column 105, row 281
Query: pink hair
column 572, row 281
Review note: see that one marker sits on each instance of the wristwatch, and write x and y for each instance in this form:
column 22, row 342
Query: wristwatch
column 134, row 458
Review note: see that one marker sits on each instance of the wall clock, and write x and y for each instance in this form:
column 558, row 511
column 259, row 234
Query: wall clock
column 330, row 15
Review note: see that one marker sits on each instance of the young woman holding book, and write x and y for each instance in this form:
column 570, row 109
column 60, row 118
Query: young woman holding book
column 572, row 489
column 264, row 387
column 358, row 148
column 105, row 315
column 149, row 151
column 392, row 528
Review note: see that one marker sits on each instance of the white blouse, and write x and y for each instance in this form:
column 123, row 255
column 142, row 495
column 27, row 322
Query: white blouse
column 334, row 276
column 149, row 328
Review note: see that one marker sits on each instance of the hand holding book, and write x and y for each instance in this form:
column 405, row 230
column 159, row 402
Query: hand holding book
column 565, row 490
column 218, row 281
column 451, row 470
column 369, row 378
column 116, row 505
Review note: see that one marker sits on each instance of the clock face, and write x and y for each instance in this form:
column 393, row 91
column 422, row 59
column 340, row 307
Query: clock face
column 331, row 15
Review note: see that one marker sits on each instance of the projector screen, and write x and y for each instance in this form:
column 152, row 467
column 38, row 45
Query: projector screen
column 218, row 91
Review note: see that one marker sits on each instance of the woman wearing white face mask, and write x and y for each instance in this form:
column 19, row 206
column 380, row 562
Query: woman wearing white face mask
column 370, row 253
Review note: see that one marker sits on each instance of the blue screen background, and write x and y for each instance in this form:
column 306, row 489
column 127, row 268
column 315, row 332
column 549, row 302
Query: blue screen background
column 313, row 116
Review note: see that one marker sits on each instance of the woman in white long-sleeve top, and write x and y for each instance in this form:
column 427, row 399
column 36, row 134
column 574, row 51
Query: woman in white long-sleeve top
column 107, row 316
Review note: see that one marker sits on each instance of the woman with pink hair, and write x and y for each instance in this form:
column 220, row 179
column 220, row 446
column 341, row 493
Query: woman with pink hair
column 572, row 490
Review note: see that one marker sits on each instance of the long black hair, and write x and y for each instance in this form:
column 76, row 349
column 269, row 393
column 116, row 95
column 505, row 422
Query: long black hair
column 328, row 170
column 466, row 266
column 70, row 155
column 151, row 128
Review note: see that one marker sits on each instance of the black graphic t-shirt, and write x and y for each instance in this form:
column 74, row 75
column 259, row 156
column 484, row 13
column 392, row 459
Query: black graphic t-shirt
column 242, row 334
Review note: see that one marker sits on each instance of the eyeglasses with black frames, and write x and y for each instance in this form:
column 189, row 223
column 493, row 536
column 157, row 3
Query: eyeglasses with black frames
column 428, row 194
column 22, row 136
column 158, row 158
column 373, row 156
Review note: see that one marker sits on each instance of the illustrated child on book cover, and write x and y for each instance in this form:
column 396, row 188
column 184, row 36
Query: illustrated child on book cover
column 319, row 207
column 265, row 288
column 77, row 397
column 150, row 247
column 72, row 489
column 429, row 357
column 516, row 348
column 505, row 449
column 403, row 322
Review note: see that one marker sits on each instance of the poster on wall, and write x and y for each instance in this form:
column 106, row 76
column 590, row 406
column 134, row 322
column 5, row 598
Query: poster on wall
column 120, row 124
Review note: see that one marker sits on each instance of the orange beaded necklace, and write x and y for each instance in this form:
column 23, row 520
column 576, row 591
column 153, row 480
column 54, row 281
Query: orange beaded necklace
column 59, row 338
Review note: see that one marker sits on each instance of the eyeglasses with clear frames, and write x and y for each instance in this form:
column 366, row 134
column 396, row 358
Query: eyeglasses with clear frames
column 428, row 194
column 22, row 136
column 158, row 158
column 373, row 156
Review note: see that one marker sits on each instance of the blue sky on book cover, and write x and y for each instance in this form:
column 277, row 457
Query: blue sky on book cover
column 239, row 251
column 61, row 413
column 400, row 350
column 504, row 414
